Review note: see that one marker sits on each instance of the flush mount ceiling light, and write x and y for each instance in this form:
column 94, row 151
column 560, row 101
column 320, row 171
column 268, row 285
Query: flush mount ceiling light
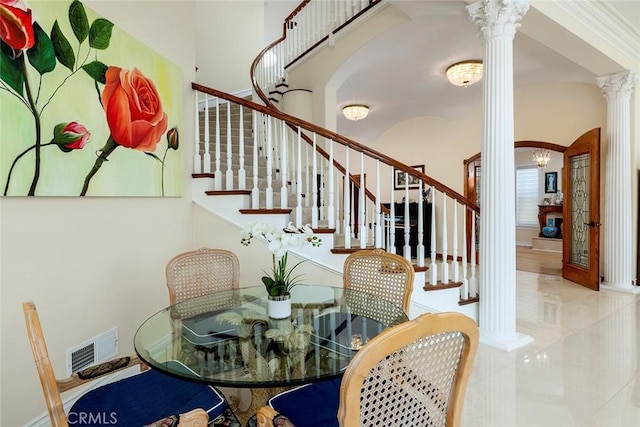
column 465, row 73
column 355, row 112
column 541, row 156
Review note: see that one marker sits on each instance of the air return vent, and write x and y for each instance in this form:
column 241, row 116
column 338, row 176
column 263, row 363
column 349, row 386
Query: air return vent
column 95, row 350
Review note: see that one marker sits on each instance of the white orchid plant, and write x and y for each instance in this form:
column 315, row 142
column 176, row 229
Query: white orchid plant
column 280, row 242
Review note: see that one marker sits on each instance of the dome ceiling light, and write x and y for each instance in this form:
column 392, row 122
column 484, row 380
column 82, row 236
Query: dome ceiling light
column 465, row 73
column 355, row 112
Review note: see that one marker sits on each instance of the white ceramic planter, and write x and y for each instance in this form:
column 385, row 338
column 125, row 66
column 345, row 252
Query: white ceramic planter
column 279, row 307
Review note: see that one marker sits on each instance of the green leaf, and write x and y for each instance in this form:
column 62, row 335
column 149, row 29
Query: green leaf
column 96, row 70
column 10, row 69
column 153, row 155
column 78, row 20
column 41, row 55
column 100, row 33
column 62, row 47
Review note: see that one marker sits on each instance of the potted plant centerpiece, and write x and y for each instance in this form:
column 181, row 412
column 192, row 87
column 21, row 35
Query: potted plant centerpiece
column 279, row 283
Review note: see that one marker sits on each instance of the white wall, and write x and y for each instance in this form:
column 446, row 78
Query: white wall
column 93, row 263
column 219, row 25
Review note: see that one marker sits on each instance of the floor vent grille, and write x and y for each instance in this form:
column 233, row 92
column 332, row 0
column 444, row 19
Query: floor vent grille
column 95, row 350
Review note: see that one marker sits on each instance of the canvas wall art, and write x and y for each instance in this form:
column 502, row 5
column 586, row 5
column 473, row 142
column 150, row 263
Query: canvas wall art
column 85, row 108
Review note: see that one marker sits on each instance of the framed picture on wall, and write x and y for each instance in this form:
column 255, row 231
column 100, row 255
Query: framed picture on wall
column 551, row 182
column 399, row 178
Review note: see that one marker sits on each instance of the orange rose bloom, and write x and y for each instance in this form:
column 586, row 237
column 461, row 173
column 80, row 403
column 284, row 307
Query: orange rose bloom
column 133, row 109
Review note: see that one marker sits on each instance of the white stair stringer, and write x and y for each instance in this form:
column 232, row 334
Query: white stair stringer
column 437, row 300
column 228, row 206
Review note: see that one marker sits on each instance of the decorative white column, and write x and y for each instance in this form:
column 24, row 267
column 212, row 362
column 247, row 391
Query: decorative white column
column 498, row 21
column 617, row 249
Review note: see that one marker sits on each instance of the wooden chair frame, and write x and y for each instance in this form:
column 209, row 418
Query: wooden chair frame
column 391, row 264
column 52, row 387
column 398, row 337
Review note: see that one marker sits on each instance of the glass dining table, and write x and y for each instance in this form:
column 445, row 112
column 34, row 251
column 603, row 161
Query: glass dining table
column 227, row 338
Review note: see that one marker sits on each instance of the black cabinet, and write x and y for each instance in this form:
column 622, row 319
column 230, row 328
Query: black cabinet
column 413, row 225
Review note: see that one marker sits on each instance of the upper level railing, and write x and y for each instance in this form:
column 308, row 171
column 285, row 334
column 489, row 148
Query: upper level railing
column 311, row 23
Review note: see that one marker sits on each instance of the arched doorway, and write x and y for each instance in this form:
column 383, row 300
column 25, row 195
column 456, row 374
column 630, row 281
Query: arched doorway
column 580, row 210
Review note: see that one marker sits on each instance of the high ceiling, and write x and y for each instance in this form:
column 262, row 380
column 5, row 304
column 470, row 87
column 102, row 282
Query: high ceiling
column 401, row 74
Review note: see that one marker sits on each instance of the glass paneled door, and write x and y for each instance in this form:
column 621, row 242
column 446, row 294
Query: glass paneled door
column 581, row 211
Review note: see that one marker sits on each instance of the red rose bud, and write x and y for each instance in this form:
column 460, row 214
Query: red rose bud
column 173, row 138
column 16, row 25
column 70, row 136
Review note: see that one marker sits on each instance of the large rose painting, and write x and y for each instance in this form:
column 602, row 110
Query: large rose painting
column 85, row 109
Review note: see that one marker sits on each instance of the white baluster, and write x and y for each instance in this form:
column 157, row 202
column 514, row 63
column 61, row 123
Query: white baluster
column 407, row 220
column 229, row 175
column 307, row 180
column 433, row 267
column 217, row 174
column 197, row 161
column 420, row 245
column 299, row 181
column 255, row 192
column 346, row 204
column 378, row 213
column 323, row 190
column 337, row 201
column 361, row 207
column 445, row 242
column 284, row 189
column 206, row 160
column 454, row 264
column 269, row 190
column 464, row 289
column 314, row 185
column 242, row 174
column 331, row 217
column 392, row 216
column 473, row 283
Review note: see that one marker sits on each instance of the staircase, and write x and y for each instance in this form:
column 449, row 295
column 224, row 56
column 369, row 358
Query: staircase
column 255, row 163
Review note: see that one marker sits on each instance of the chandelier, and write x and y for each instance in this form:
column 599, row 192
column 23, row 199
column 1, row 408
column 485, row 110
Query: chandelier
column 355, row 112
column 465, row 73
column 541, row 156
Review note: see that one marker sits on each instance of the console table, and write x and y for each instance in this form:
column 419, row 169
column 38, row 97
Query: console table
column 543, row 211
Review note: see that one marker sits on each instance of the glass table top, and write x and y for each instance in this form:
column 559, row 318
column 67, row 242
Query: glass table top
column 228, row 339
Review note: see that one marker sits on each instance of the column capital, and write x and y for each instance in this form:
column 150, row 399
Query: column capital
column 497, row 18
column 618, row 85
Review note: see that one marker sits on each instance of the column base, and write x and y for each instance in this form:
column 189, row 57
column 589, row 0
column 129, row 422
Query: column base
column 507, row 344
column 620, row 287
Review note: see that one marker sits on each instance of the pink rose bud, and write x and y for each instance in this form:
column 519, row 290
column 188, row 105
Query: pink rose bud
column 70, row 136
column 173, row 138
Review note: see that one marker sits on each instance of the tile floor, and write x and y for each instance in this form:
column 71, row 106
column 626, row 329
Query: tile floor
column 581, row 370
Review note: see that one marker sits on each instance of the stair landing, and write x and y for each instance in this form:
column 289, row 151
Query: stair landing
column 547, row 244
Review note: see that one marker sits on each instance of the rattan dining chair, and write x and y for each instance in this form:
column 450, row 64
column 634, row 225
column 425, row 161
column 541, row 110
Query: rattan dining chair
column 381, row 273
column 413, row 374
column 202, row 271
column 148, row 397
